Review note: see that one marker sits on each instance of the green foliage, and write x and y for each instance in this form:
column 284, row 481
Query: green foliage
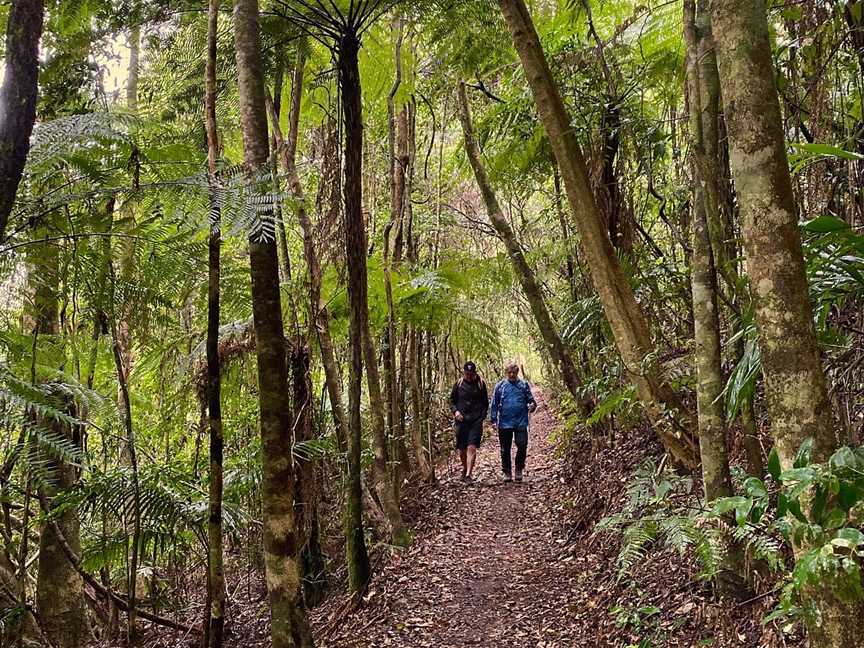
column 661, row 509
column 45, row 416
column 807, row 154
column 818, row 508
column 657, row 511
column 813, row 508
column 614, row 404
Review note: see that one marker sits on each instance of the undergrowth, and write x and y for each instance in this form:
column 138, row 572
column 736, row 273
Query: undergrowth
column 811, row 510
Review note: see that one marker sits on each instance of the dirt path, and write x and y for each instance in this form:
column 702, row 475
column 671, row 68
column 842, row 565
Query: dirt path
column 485, row 568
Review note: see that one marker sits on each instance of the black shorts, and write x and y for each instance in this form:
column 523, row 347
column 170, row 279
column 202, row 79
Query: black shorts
column 469, row 433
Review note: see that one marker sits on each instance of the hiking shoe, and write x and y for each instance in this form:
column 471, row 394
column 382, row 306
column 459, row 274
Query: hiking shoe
column 507, row 477
column 518, row 475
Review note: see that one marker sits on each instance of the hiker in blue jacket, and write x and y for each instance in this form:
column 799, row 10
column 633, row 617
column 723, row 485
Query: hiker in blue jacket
column 511, row 402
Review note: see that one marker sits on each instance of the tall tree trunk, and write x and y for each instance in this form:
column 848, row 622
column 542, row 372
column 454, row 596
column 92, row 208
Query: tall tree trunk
column 134, row 66
column 216, row 576
column 357, row 556
column 306, row 495
column 125, row 407
column 422, row 455
column 622, row 311
column 356, row 245
column 127, row 244
column 706, row 315
column 533, row 293
column 289, row 626
column 570, row 269
column 274, row 108
column 710, row 158
column 795, row 384
column 397, row 148
column 60, row 602
column 104, row 222
column 18, row 98
column 424, row 465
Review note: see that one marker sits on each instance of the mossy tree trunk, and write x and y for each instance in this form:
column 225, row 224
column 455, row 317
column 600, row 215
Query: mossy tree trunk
column 289, row 626
column 60, row 602
column 713, row 172
column 795, row 383
column 703, row 278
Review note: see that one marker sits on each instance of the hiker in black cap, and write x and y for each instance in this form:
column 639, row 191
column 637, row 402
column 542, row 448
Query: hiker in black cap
column 469, row 402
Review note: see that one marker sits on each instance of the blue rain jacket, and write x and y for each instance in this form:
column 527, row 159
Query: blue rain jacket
column 510, row 401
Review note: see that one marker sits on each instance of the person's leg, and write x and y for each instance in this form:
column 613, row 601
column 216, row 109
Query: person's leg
column 505, row 438
column 462, row 447
column 472, row 458
column 521, row 435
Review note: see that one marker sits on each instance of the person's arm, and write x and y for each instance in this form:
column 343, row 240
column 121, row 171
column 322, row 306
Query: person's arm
column 493, row 414
column 454, row 402
column 529, row 397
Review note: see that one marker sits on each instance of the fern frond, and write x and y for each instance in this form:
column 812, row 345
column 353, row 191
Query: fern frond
column 634, row 545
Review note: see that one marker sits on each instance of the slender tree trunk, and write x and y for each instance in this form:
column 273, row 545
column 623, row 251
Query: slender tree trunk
column 216, row 576
column 60, row 603
column 419, row 420
column 424, row 465
column 306, row 495
column 18, row 98
column 706, row 316
column 104, row 223
column 711, row 168
column 134, row 65
column 131, row 456
column 533, row 293
column 127, row 244
column 356, row 246
column 622, row 311
column 274, row 108
column 397, row 141
column 795, row 384
column 289, row 627
column 570, row 269
column 355, row 544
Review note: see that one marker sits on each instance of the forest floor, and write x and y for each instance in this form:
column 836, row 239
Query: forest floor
column 484, row 569
column 498, row 564
column 516, row 564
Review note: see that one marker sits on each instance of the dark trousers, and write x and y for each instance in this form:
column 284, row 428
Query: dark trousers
column 506, row 437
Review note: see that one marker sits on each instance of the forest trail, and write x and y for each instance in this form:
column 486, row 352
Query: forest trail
column 485, row 567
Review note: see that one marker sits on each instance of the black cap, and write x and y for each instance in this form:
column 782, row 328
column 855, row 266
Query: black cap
column 470, row 367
